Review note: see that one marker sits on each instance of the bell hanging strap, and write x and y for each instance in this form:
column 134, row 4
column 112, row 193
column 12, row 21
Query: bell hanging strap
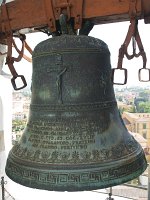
column 29, row 50
column 26, row 46
column 10, row 61
column 10, row 42
column 134, row 36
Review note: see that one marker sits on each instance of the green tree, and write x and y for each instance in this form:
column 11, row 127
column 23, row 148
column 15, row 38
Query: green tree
column 144, row 107
column 18, row 125
column 144, row 94
column 132, row 109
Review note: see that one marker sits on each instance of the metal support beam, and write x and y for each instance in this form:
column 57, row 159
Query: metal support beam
column 3, row 188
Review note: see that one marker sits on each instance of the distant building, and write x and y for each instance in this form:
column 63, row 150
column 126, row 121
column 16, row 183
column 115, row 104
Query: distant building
column 143, row 142
column 21, row 106
column 26, row 106
column 18, row 116
column 140, row 139
column 139, row 123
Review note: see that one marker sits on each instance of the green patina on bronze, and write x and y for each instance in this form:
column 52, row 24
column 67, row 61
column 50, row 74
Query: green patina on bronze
column 75, row 139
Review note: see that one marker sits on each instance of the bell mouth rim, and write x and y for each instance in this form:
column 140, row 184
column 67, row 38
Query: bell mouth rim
column 132, row 170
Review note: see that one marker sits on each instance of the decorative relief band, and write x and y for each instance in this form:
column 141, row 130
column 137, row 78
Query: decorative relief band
column 73, row 156
column 80, row 107
column 71, row 51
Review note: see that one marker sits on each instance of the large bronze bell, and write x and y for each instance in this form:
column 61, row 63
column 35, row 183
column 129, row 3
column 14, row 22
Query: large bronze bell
column 75, row 139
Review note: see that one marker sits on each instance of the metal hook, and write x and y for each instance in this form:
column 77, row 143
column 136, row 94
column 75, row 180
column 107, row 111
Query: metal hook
column 119, row 67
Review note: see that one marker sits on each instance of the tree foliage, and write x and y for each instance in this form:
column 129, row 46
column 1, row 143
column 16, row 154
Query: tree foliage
column 144, row 107
column 18, row 125
column 130, row 109
column 144, row 94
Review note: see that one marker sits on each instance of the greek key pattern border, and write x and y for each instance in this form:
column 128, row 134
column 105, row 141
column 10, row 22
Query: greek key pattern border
column 39, row 178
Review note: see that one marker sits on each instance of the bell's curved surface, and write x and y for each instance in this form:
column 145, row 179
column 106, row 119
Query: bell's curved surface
column 75, row 139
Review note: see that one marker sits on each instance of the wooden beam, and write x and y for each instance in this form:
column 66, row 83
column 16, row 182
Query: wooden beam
column 101, row 10
column 31, row 13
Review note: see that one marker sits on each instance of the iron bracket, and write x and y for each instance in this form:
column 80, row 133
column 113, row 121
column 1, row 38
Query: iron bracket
column 79, row 14
column 54, row 8
column 62, row 7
